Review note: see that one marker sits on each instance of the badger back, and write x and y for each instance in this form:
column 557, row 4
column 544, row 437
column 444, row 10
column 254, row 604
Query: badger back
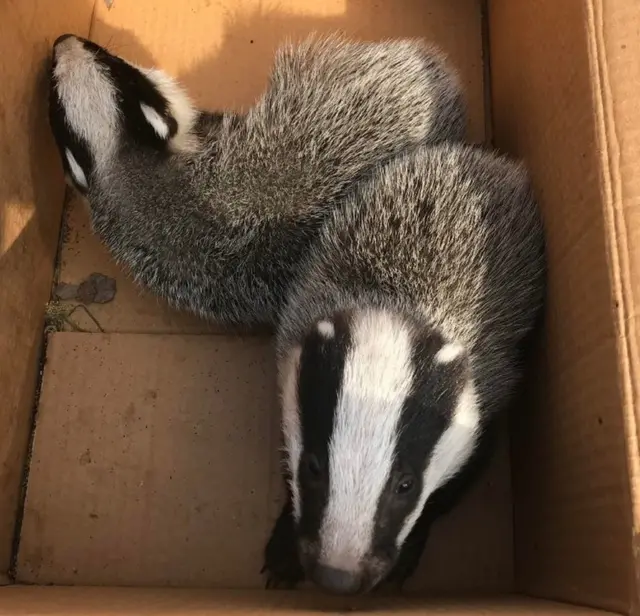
column 335, row 108
column 451, row 233
column 214, row 211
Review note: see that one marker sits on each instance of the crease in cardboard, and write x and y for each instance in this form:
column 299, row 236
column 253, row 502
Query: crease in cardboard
column 30, row 187
column 618, row 253
column 573, row 527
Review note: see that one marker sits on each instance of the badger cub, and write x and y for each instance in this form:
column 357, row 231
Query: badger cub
column 213, row 211
column 398, row 347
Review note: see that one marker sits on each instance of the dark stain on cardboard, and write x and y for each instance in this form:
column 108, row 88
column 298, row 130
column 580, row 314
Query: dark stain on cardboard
column 95, row 289
column 85, row 458
column 129, row 414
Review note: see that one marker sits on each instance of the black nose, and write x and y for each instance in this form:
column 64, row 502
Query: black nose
column 336, row 580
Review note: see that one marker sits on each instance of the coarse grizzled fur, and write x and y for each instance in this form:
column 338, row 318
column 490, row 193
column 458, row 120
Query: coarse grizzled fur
column 213, row 211
column 400, row 313
column 400, row 343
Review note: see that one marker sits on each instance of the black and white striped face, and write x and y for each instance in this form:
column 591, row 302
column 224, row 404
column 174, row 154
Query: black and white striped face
column 98, row 102
column 379, row 412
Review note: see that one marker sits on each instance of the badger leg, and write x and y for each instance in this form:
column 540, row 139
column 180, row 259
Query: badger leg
column 281, row 562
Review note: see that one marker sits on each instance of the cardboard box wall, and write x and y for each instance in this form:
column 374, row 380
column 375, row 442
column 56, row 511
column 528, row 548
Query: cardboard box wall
column 121, row 412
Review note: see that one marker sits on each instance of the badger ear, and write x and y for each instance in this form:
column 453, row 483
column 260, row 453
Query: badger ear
column 448, row 353
column 163, row 125
column 326, row 328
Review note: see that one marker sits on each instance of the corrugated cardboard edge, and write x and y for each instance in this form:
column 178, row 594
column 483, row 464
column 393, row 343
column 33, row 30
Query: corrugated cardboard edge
column 26, row 282
column 88, row 601
column 556, row 87
column 619, row 251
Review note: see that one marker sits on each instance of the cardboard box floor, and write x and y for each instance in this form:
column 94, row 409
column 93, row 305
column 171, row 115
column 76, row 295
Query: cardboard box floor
column 154, row 458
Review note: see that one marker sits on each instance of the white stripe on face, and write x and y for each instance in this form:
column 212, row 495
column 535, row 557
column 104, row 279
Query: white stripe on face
column 88, row 97
column 377, row 379
column 288, row 375
column 452, row 451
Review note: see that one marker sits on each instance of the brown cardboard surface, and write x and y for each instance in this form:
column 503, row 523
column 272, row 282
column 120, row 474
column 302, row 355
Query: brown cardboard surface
column 222, row 52
column 31, row 193
column 34, row 601
column 155, row 463
column 155, row 456
column 614, row 34
column 554, row 86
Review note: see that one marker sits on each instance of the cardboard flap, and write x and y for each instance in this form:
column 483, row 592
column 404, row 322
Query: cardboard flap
column 31, row 196
column 566, row 97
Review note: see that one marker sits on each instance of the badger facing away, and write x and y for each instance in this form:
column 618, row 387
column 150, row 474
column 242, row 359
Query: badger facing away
column 398, row 347
column 213, row 211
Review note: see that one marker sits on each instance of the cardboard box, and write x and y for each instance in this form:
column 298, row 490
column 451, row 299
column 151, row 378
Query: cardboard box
column 153, row 457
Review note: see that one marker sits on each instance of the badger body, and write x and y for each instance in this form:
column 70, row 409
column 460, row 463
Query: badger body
column 398, row 347
column 213, row 211
column 402, row 269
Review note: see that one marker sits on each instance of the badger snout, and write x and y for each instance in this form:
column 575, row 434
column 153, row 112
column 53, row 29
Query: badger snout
column 83, row 108
column 343, row 576
column 348, row 581
column 69, row 48
column 337, row 581
column 58, row 43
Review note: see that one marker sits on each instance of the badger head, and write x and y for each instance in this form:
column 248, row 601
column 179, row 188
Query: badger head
column 99, row 103
column 379, row 411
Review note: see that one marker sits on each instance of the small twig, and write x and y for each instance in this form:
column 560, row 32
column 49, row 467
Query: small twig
column 88, row 314
column 57, row 315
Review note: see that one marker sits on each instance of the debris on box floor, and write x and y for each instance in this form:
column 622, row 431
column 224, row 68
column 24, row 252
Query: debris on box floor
column 95, row 289
column 68, row 298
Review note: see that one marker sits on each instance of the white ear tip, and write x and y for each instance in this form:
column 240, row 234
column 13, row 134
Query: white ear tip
column 156, row 120
column 326, row 329
column 76, row 170
column 448, row 353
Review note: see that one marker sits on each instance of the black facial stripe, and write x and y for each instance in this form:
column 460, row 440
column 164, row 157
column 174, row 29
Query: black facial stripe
column 133, row 89
column 65, row 138
column 319, row 383
column 425, row 416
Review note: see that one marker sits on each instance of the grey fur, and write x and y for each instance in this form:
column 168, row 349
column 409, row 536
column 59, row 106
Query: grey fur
column 443, row 245
column 451, row 234
column 219, row 230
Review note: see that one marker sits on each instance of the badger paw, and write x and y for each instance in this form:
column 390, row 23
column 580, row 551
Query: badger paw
column 282, row 566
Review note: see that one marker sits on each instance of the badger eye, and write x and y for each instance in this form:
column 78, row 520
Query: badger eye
column 313, row 466
column 405, row 486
